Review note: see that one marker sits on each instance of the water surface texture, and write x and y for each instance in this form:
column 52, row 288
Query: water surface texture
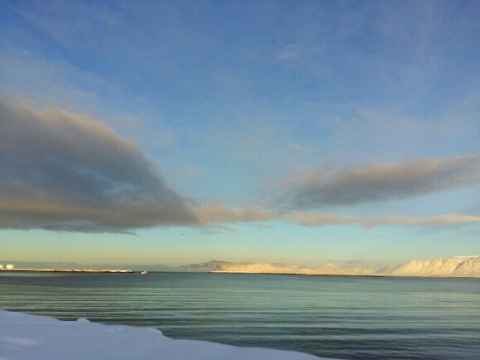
column 331, row 316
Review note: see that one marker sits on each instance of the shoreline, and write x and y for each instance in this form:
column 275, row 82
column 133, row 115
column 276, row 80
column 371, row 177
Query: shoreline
column 128, row 271
column 290, row 273
column 33, row 337
column 347, row 275
column 79, row 271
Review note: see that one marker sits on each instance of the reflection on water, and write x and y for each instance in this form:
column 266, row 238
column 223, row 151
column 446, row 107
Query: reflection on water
column 342, row 317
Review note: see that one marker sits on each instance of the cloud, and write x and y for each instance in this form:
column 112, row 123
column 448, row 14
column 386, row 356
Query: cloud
column 359, row 184
column 65, row 171
column 215, row 215
column 315, row 219
column 290, row 52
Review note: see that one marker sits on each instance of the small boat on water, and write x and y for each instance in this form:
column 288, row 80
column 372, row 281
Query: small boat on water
column 144, row 272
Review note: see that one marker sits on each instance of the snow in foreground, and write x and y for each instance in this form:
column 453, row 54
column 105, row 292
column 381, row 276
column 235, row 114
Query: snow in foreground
column 25, row 337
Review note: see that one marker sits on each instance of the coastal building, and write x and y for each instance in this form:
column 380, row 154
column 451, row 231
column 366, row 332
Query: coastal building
column 9, row 267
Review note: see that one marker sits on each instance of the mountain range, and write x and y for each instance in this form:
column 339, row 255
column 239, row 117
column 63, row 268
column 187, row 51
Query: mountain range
column 459, row 266
column 269, row 268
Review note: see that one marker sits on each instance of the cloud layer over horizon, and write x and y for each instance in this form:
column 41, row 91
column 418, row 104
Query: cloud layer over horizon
column 64, row 171
column 215, row 215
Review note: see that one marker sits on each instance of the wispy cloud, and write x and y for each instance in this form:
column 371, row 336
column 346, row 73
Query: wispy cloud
column 366, row 183
column 290, row 52
column 60, row 170
column 315, row 219
column 217, row 215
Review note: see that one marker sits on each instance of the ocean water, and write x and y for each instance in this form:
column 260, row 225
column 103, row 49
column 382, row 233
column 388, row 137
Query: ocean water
column 331, row 316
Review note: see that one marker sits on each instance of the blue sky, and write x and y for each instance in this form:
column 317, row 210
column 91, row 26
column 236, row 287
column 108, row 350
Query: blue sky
column 298, row 132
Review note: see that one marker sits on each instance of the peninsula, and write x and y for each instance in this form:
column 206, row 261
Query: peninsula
column 80, row 271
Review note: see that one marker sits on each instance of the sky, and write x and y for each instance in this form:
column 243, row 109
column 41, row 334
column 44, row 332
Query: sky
column 298, row 132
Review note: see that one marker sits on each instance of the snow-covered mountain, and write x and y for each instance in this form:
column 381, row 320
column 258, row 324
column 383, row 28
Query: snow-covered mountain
column 268, row 268
column 205, row 267
column 458, row 266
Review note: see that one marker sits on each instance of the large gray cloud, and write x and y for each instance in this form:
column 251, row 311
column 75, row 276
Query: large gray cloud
column 379, row 182
column 60, row 170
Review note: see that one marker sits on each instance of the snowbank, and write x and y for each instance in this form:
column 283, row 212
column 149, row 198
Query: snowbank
column 29, row 337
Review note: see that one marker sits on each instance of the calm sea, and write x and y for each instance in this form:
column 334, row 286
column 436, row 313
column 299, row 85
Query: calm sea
column 339, row 317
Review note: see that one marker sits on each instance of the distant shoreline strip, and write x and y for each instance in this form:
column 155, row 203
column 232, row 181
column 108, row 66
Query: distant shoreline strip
column 80, row 271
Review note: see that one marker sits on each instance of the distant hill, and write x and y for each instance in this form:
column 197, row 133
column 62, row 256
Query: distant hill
column 206, row 266
column 268, row 268
column 459, row 266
